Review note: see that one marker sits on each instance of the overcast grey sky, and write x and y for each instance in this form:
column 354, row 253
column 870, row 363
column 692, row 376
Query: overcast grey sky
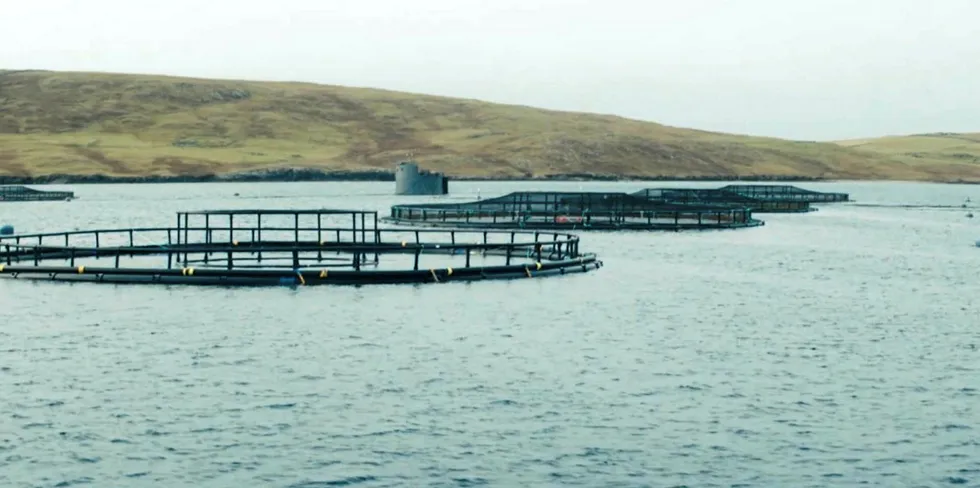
column 802, row 69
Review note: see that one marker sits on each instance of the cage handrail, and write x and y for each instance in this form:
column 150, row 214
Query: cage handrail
column 146, row 230
column 285, row 246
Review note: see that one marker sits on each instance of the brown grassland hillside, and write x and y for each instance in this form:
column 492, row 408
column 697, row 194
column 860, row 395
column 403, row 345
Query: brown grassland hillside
column 134, row 125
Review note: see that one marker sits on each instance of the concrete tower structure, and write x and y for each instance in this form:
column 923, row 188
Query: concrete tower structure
column 409, row 180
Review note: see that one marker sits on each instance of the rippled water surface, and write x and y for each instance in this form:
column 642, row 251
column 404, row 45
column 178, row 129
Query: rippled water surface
column 836, row 348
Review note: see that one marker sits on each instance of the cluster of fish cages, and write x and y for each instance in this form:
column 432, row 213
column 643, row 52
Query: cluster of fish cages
column 291, row 248
column 575, row 210
column 518, row 235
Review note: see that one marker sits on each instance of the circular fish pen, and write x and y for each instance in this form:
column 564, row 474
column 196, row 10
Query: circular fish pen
column 575, row 211
column 715, row 196
column 785, row 193
column 289, row 248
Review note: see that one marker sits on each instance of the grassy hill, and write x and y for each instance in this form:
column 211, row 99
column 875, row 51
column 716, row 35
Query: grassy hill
column 937, row 149
column 134, row 125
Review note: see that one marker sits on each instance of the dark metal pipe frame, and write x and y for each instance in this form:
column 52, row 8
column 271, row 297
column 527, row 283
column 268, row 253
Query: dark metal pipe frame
column 359, row 280
column 306, row 277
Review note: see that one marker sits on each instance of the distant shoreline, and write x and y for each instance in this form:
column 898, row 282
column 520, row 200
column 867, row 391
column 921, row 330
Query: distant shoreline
column 313, row 175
